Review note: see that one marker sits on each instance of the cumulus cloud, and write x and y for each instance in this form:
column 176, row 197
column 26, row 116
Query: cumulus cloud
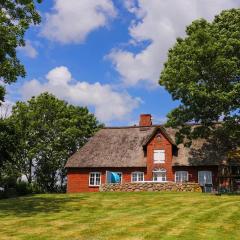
column 28, row 50
column 108, row 103
column 159, row 23
column 72, row 20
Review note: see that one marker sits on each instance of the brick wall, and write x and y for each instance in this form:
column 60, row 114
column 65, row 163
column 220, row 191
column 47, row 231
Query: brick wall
column 159, row 142
column 78, row 179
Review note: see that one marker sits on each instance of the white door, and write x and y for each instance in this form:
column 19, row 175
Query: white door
column 204, row 177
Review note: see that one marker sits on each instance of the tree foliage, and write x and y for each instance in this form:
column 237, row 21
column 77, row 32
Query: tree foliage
column 15, row 18
column 203, row 73
column 9, row 140
column 51, row 130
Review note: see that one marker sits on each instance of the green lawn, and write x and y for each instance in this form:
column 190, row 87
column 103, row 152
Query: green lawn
column 121, row 216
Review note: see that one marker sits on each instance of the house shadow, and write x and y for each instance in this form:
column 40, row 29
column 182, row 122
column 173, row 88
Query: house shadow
column 211, row 152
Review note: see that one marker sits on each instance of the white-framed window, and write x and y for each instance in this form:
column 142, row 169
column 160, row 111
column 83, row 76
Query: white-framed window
column 160, row 175
column 181, row 176
column 159, row 156
column 204, row 177
column 94, row 179
column 137, row 176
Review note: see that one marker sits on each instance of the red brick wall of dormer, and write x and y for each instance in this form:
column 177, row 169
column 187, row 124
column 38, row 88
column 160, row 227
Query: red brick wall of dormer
column 159, row 143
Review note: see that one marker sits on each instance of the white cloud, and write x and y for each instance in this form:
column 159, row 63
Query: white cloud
column 28, row 49
column 72, row 20
column 108, row 103
column 159, row 22
column 130, row 5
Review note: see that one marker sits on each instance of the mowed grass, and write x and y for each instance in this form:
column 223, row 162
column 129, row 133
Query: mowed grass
column 143, row 215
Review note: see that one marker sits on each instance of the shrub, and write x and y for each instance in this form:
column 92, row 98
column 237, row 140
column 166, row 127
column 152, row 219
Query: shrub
column 24, row 188
column 2, row 193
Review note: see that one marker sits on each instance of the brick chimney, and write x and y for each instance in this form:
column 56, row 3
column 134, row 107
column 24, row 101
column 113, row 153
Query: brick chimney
column 145, row 120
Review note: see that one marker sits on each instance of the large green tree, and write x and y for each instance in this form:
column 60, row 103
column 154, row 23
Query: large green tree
column 51, row 130
column 9, row 141
column 203, row 73
column 15, row 18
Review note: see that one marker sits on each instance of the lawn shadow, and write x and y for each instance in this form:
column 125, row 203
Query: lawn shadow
column 37, row 204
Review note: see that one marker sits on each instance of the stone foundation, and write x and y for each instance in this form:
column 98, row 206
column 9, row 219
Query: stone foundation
column 151, row 187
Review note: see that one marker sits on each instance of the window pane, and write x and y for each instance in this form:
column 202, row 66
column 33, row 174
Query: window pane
column 204, row 177
column 137, row 176
column 159, row 155
column 91, row 181
column 154, row 176
column 184, row 176
column 134, row 177
column 163, row 175
column 140, row 176
column 181, row 176
column 177, row 177
column 95, row 179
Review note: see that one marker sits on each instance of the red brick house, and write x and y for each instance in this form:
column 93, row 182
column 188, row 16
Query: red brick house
column 140, row 153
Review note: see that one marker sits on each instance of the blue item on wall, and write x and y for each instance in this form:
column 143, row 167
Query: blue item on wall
column 115, row 177
column 112, row 177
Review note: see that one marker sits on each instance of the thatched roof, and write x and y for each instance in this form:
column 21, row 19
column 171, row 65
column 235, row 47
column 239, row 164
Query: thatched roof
column 200, row 153
column 124, row 147
column 113, row 147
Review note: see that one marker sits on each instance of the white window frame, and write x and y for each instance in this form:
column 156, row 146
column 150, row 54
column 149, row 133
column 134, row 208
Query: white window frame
column 159, row 152
column 94, row 185
column 161, row 170
column 181, row 176
column 205, row 171
column 137, row 176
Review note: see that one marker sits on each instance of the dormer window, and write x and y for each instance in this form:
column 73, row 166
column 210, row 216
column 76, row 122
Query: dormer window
column 159, row 156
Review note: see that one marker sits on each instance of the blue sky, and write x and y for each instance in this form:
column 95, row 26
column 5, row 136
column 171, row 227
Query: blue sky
column 107, row 55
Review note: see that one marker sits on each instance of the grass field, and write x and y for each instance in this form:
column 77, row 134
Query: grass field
column 121, row 216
